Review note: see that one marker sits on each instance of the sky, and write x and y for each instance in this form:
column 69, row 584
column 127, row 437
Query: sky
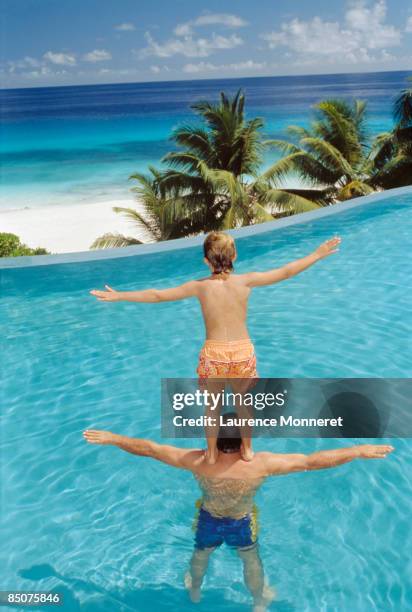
column 74, row 42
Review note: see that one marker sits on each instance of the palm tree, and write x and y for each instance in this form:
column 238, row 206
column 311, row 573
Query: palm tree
column 211, row 169
column 391, row 157
column 215, row 170
column 331, row 155
column 209, row 180
column 212, row 179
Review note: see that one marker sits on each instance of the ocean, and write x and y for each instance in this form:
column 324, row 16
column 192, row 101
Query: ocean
column 67, row 145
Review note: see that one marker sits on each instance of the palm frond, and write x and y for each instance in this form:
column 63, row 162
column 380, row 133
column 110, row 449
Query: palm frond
column 148, row 223
column 174, row 182
column 260, row 213
column 382, row 149
column 396, row 172
column 224, row 182
column 184, row 159
column 328, row 155
column 280, row 169
column 342, row 126
column 298, row 131
column 195, row 139
column 110, row 241
column 279, row 200
column 283, row 145
column 402, row 108
column 354, row 189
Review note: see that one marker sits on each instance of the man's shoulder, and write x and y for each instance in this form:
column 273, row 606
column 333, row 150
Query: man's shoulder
column 266, row 457
column 262, row 455
column 192, row 458
column 263, row 459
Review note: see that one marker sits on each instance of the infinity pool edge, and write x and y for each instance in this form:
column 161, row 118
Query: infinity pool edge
column 183, row 243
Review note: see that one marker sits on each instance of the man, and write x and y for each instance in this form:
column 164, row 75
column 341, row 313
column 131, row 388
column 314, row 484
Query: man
column 227, row 512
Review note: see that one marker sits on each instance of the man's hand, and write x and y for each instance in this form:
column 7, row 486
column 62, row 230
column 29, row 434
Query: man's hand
column 94, row 436
column 374, row 451
column 107, row 296
column 329, row 247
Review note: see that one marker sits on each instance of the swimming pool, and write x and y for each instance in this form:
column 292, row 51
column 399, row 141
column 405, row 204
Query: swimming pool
column 113, row 532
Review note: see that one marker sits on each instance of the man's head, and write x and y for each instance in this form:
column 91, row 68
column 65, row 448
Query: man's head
column 229, row 439
column 219, row 251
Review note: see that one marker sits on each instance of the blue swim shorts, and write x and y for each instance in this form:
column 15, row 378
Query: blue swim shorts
column 212, row 531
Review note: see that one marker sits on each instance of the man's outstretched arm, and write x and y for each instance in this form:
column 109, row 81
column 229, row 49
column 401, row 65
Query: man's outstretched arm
column 321, row 460
column 150, row 296
column 260, row 279
column 172, row 455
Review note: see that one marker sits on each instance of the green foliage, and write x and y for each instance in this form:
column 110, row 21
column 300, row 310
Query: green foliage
column 391, row 155
column 212, row 180
column 10, row 246
column 208, row 171
column 331, row 154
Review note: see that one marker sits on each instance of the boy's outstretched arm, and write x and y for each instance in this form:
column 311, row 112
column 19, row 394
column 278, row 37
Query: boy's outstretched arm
column 172, row 455
column 148, row 295
column 277, row 464
column 259, row 279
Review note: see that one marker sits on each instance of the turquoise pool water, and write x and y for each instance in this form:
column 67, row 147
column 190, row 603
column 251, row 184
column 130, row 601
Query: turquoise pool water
column 113, row 532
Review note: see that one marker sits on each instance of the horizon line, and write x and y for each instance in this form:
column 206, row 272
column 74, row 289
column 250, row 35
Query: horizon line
column 189, row 80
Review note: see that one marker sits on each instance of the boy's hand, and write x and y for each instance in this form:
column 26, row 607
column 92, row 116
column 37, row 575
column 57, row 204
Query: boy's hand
column 107, row 296
column 328, row 247
column 374, row 451
column 95, row 436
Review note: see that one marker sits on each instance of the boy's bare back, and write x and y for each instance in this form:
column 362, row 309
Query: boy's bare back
column 224, row 301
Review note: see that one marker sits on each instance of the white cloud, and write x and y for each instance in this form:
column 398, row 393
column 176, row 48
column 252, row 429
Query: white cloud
column 204, row 67
column 370, row 23
column 110, row 71
column 97, row 55
column 26, row 62
column 158, row 69
column 222, row 19
column 61, row 59
column 31, row 61
column 125, row 27
column 189, row 46
column 408, row 27
column 364, row 31
column 30, row 67
column 183, row 29
column 44, row 71
column 311, row 37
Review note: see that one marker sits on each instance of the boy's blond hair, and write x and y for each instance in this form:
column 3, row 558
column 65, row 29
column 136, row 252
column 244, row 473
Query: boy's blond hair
column 220, row 251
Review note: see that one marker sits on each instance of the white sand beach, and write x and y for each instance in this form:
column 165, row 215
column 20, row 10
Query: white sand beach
column 68, row 228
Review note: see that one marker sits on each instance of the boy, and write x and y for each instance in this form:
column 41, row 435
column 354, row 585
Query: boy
column 228, row 351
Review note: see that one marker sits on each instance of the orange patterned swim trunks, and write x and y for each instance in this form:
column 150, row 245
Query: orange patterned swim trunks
column 227, row 359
